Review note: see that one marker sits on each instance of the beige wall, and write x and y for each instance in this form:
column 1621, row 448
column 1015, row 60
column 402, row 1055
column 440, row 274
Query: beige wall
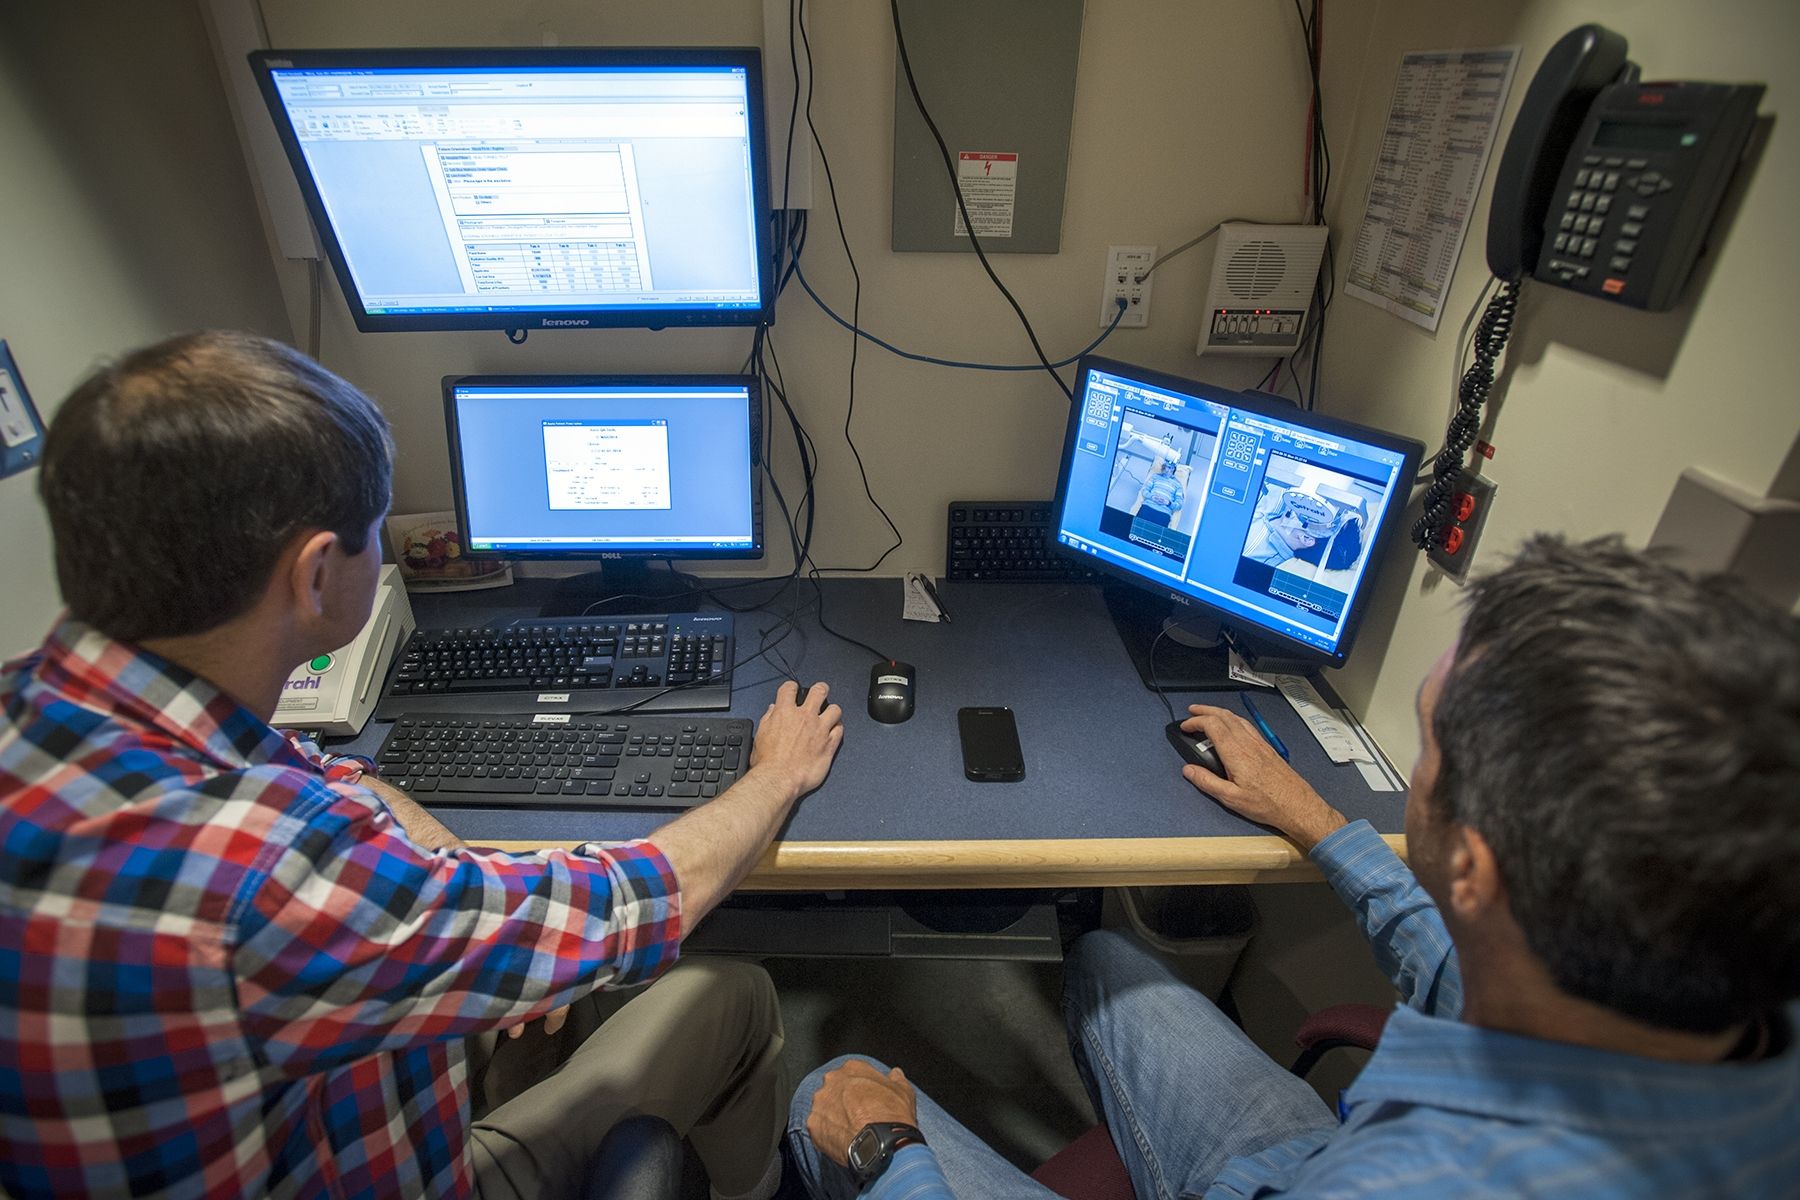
column 126, row 214
column 1605, row 405
column 1185, row 113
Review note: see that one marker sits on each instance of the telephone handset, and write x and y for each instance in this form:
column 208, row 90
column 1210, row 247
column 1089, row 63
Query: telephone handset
column 1581, row 63
column 1608, row 185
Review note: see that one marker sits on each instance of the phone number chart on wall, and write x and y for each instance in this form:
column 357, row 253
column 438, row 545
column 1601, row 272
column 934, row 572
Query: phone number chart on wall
column 1434, row 151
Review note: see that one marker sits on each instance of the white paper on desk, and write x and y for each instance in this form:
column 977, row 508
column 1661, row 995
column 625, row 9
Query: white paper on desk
column 1336, row 738
column 1240, row 671
column 918, row 605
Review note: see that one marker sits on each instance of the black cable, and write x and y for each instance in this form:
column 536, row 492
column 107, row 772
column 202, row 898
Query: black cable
column 1324, row 287
column 855, row 308
column 963, row 208
column 1447, row 465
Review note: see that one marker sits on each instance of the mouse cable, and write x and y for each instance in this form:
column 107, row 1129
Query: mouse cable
column 819, row 594
column 962, row 206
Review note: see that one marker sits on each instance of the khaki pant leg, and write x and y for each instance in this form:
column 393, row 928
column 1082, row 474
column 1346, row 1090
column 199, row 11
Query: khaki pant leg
column 700, row 1048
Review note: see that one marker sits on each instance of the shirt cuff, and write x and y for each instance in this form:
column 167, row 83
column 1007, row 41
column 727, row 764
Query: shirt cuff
column 647, row 898
column 1352, row 857
column 913, row 1174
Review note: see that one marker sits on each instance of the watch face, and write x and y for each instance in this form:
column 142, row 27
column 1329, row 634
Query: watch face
column 865, row 1150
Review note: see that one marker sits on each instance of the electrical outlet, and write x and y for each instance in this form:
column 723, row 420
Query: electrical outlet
column 1469, row 506
column 1124, row 267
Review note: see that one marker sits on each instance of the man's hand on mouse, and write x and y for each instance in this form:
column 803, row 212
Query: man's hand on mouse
column 1260, row 786
column 799, row 740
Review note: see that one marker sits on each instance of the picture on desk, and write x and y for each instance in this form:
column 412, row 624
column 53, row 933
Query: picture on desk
column 1152, row 497
column 1308, row 535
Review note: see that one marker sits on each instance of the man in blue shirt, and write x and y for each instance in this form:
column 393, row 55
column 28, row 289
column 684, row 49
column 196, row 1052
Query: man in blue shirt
column 1597, row 943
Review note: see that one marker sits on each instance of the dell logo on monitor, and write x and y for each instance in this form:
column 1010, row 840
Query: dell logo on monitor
column 557, row 323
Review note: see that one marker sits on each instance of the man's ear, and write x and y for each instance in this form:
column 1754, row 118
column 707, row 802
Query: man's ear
column 1472, row 874
column 309, row 565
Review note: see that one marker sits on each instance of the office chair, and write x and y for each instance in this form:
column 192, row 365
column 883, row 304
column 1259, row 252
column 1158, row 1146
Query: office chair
column 1089, row 1168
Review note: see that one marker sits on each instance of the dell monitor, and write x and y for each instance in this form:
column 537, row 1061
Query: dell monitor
column 532, row 189
column 625, row 470
column 1225, row 514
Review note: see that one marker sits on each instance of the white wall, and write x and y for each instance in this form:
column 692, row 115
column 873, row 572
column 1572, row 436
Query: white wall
column 1185, row 113
column 126, row 215
column 1605, row 405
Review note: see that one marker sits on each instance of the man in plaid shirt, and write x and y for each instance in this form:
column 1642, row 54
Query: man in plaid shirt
column 226, row 972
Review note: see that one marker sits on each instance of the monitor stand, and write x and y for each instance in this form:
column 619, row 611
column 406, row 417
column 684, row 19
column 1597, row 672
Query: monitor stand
column 1193, row 656
column 625, row 586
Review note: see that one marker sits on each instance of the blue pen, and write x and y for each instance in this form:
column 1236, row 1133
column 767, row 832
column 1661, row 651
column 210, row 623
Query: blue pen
column 1264, row 726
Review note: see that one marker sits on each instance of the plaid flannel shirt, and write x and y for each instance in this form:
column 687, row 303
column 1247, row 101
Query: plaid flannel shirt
column 222, row 974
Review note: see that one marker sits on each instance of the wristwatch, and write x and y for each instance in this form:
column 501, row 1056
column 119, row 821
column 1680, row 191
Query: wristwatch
column 874, row 1145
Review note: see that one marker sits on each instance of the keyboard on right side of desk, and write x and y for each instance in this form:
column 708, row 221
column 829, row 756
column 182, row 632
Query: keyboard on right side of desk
column 1007, row 541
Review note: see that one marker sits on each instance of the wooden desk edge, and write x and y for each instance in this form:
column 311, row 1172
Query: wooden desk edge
column 1065, row 862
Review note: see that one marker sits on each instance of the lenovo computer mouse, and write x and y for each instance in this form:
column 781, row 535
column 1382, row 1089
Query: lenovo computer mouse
column 1196, row 748
column 891, row 691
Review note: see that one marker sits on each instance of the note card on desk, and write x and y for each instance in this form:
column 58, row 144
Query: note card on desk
column 1337, row 739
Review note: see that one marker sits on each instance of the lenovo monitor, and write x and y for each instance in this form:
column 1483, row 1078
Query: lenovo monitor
column 532, row 189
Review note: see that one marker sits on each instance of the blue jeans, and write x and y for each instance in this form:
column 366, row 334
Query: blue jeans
column 1181, row 1088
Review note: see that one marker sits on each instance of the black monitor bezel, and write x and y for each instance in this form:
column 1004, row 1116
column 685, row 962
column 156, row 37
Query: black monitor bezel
column 459, row 495
column 262, row 62
column 1411, row 450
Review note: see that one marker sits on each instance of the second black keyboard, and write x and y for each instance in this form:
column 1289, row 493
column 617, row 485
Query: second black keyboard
column 564, row 762
column 646, row 663
column 1006, row 541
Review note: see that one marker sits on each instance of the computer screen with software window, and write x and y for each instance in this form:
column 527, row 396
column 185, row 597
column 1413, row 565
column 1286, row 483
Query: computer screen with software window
column 532, row 189
column 1270, row 516
column 592, row 466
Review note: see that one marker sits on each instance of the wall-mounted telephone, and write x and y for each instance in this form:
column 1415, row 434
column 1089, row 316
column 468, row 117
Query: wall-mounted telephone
column 1608, row 185
column 335, row 693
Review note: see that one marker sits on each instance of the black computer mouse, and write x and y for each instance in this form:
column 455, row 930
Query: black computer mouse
column 891, row 691
column 1196, row 748
column 802, row 691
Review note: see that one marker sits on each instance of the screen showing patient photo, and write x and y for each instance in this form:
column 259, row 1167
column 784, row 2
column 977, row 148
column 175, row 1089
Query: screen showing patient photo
column 1150, row 499
column 1269, row 518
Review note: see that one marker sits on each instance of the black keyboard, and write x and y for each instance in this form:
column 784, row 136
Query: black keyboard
column 1006, row 541
column 564, row 762
column 567, row 665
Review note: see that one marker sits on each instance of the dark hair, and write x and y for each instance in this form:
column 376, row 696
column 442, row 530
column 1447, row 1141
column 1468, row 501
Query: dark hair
column 1626, row 736
column 175, row 477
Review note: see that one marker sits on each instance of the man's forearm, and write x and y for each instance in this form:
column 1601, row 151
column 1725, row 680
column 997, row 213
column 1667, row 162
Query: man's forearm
column 713, row 847
column 425, row 830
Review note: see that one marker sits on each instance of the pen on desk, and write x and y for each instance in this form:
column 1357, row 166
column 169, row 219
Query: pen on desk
column 935, row 598
column 1264, row 726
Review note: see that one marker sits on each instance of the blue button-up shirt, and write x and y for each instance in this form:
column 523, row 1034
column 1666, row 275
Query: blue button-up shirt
column 1448, row 1108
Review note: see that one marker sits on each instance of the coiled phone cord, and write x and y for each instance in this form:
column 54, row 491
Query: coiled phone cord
column 1491, row 336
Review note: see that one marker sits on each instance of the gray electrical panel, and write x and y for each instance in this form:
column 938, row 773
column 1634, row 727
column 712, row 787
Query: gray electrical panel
column 999, row 79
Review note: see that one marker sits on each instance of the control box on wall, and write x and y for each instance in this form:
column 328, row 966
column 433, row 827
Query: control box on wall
column 1262, row 283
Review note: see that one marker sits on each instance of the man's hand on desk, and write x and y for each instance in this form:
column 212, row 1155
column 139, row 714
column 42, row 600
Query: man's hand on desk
column 798, row 741
column 1261, row 787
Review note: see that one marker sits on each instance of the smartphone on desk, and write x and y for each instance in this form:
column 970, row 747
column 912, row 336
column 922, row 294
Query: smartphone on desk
column 990, row 745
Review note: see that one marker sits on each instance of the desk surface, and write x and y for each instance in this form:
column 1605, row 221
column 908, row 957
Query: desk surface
column 1102, row 802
